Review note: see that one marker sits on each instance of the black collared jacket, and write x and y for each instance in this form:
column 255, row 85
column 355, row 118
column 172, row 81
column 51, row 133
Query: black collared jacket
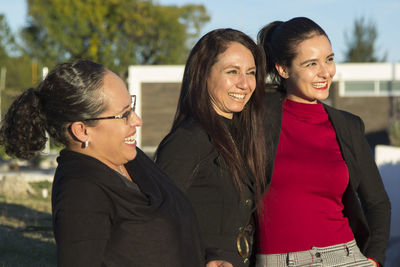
column 188, row 156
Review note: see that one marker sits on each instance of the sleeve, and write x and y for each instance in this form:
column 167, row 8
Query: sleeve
column 374, row 199
column 81, row 222
column 181, row 154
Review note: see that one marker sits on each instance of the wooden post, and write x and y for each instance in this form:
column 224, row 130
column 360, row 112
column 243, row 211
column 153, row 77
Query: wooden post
column 3, row 73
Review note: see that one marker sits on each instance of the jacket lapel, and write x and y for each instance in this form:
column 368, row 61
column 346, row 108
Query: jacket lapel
column 351, row 204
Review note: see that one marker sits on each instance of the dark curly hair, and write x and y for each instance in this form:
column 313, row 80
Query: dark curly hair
column 69, row 93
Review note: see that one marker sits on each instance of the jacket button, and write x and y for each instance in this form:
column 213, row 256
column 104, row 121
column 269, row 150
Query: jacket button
column 246, row 260
column 317, row 254
column 248, row 202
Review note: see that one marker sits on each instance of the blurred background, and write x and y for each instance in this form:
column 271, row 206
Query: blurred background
column 147, row 42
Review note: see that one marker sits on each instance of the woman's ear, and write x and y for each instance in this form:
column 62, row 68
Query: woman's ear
column 79, row 131
column 282, row 70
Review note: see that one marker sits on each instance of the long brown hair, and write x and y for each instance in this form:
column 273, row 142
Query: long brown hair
column 248, row 154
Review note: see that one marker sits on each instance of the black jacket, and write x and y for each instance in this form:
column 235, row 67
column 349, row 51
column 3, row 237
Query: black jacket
column 188, row 156
column 102, row 219
column 365, row 201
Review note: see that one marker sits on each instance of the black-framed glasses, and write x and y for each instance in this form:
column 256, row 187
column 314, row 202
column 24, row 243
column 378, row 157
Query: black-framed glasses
column 127, row 115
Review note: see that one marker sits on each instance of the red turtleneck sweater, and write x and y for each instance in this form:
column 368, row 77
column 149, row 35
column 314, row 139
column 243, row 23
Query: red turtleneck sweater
column 302, row 206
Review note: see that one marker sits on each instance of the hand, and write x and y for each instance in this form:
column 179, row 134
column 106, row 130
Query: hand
column 372, row 261
column 219, row 263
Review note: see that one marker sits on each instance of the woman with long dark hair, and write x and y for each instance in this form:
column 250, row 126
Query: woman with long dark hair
column 213, row 150
column 325, row 201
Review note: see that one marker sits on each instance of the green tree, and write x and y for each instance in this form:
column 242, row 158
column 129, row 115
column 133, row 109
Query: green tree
column 7, row 43
column 116, row 33
column 17, row 66
column 361, row 45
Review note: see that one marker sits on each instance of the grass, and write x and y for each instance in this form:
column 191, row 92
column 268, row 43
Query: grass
column 26, row 234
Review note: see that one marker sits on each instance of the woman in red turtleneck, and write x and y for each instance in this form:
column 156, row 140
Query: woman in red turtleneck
column 321, row 165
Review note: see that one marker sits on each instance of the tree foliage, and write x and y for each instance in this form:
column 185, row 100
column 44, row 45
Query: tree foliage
column 7, row 42
column 361, row 42
column 17, row 69
column 116, row 33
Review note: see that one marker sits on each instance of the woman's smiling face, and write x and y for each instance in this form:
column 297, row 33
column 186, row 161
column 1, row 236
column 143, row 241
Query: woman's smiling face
column 232, row 80
column 113, row 141
column 310, row 75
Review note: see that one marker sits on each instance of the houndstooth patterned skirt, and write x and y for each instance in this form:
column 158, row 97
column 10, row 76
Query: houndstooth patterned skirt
column 346, row 254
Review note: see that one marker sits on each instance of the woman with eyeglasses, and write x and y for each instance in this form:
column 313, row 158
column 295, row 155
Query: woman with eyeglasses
column 111, row 205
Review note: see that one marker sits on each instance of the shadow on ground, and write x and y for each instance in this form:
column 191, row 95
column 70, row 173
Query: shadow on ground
column 26, row 237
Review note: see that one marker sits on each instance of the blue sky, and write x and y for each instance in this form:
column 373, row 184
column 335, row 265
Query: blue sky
column 335, row 16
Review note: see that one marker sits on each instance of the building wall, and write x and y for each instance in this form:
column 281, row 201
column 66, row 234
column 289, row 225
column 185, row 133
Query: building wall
column 159, row 101
column 375, row 111
column 157, row 89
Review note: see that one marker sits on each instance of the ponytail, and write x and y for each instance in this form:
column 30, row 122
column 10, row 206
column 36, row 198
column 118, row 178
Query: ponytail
column 266, row 41
column 22, row 132
column 264, row 38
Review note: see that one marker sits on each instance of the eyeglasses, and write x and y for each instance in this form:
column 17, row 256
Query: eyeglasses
column 127, row 115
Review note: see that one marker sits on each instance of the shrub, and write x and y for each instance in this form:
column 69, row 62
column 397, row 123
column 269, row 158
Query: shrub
column 394, row 133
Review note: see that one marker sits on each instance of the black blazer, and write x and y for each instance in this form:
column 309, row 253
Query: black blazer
column 366, row 204
column 188, row 156
column 102, row 219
